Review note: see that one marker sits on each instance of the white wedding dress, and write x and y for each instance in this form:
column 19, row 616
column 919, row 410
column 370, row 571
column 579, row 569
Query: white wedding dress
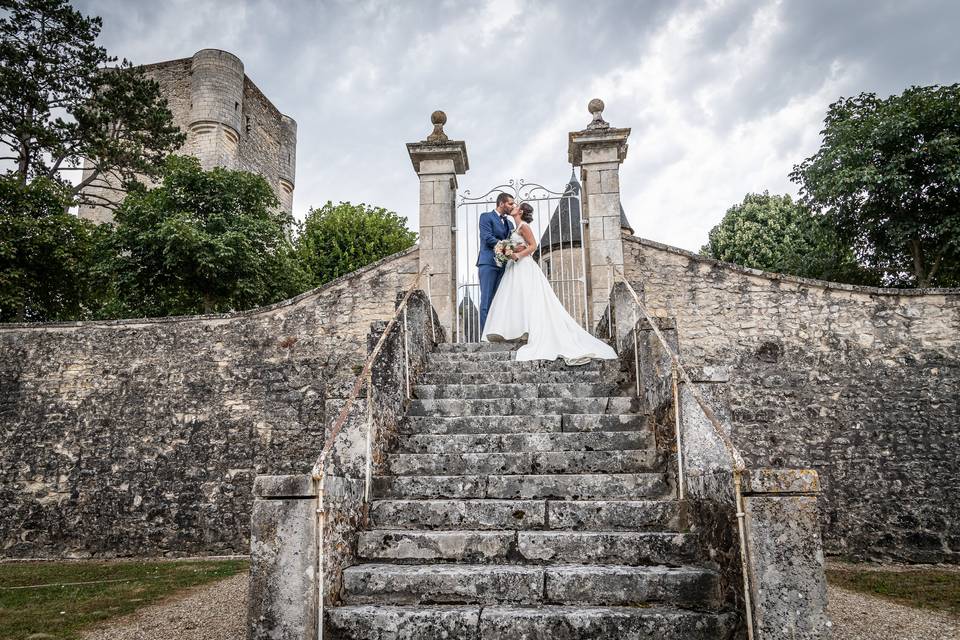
column 525, row 306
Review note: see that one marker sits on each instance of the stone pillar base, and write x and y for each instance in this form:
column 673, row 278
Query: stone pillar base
column 283, row 559
column 788, row 586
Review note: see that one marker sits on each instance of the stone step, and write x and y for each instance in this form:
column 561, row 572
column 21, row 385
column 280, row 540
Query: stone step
column 623, row 486
column 617, row 585
column 518, row 442
column 509, row 376
column 603, row 623
column 458, row 514
column 491, row 514
column 523, row 406
column 550, row 547
column 474, row 347
column 515, row 390
column 447, row 363
column 472, row 464
column 473, row 622
column 442, row 425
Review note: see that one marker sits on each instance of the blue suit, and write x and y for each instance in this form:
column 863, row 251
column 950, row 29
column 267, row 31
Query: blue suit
column 492, row 231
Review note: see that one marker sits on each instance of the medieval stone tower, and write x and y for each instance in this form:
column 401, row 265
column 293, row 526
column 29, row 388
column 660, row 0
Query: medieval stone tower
column 228, row 121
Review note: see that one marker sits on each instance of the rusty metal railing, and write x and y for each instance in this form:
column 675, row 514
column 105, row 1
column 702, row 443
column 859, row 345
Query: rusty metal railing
column 364, row 379
column 737, row 462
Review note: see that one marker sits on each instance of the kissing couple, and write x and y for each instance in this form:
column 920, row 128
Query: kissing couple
column 517, row 301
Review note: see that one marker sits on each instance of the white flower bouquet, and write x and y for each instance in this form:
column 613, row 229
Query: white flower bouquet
column 504, row 250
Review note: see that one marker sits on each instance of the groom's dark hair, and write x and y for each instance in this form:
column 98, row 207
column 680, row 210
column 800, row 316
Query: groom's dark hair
column 503, row 197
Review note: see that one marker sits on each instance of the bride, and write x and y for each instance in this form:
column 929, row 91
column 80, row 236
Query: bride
column 525, row 306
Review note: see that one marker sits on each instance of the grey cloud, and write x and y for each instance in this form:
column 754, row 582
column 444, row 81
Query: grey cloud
column 362, row 77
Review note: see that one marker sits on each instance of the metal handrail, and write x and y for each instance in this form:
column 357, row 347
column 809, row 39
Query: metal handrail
column 364, row 378
column 737, row 460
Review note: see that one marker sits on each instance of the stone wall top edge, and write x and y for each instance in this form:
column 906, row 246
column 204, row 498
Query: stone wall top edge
column 773, row 276
column 250, row 84
column 213, row 317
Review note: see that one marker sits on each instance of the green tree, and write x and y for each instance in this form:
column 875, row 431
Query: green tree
column 61, row 105
column 888, row 174
column 337, row 239
column 46, row 255
column 201, row 241
column 774, row 233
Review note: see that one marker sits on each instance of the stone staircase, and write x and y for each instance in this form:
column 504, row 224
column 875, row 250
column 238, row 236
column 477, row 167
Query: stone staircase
column 525, row 500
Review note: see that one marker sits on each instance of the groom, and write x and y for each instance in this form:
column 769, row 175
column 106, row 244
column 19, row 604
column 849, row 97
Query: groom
column 494, row 226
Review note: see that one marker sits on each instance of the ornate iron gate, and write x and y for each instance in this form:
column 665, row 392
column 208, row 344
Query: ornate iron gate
column 558, row 227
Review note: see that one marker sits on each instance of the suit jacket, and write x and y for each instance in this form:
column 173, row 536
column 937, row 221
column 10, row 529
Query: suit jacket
column 492, row 231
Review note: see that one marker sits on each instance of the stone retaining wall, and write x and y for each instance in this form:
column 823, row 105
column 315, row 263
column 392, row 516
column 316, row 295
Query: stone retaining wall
column 143, row 437
column 861, row 384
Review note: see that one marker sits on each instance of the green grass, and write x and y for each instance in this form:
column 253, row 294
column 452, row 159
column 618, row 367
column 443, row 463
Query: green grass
column 63, row 611
column 921, row 588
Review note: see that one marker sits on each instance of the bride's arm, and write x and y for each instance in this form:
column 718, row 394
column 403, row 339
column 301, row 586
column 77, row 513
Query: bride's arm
column 528, row 240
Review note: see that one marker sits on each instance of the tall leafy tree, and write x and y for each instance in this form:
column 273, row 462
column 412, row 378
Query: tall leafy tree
column 46, row 255
column 774, row 233
column 202, row 241
column 63, row 102
column 337, row 239
column 888, row 173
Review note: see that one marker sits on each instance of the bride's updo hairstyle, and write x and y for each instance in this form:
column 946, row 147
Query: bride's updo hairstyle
column 526, row 213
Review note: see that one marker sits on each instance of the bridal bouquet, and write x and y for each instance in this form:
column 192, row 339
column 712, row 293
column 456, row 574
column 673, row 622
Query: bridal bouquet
column 504, row 250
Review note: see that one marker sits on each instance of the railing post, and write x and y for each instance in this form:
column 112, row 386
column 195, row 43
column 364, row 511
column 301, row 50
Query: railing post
column 677, row 435
column 406, row 354
column 369, row 461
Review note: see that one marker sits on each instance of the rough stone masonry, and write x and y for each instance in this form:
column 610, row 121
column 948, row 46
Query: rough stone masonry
column 861, row 384
column 143, row 437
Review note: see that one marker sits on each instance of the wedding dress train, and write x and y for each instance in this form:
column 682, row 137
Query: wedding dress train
column 525, row 306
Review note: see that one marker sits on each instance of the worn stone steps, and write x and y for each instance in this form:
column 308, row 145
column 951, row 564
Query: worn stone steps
column 515, row 390
column 550, row 547
column 539, row 462
column 534, row 441
column 549, row 423
column 475, row 622
column 599, row 486
column 617, row 585
column 448, row 362
column 475, row 347
column 523, row 406
column 494, row 514
column 510, row 376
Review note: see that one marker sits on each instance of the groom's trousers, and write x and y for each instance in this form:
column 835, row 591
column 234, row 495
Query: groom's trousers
column 489, row 281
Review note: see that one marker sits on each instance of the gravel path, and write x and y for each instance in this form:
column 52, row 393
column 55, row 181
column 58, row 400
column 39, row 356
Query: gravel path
column 212, row 612
column 219, row 611
column 857, row 616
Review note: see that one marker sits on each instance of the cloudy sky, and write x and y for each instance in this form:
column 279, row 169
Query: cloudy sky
column 723, row 97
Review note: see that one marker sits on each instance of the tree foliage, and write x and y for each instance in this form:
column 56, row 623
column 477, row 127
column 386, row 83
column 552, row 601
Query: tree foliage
column 337, row 239
column 61, row 105
column 46, row 255
column 202, row 241
column 774, row 233
column 888, row 174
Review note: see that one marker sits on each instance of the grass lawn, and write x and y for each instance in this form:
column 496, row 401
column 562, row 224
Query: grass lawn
column 923, row 588
column 62, row 611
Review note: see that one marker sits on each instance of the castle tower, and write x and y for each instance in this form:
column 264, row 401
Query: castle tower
column 288, row 161
column 229, row 123
column 216, row 98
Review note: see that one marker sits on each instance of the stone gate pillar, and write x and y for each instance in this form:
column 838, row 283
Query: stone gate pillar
column 438, row 161
column 598, row 150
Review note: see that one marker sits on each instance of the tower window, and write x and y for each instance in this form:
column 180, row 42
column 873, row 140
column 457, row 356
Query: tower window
column 248, row 125
column 236, row 106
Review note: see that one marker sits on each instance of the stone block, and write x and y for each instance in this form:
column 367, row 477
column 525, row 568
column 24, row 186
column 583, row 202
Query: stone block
column 787, row 581
column 436, row 215
column 604, row 205
column 781, row 481
column 283, row 560
column 427, row 190
column 610, row 180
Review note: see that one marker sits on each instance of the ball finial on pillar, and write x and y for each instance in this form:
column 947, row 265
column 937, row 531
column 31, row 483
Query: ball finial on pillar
column 595, row 107
column 438, row 119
